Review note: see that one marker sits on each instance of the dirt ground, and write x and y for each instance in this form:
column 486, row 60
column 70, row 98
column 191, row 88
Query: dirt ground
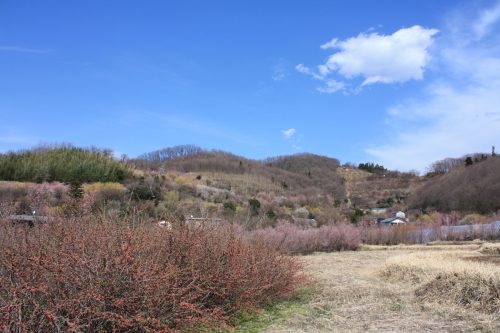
column 351, row 296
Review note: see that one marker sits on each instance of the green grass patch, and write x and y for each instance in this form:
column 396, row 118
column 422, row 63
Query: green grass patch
column 256, row 321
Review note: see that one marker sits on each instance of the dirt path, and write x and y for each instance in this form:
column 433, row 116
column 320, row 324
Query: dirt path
column 352, row 297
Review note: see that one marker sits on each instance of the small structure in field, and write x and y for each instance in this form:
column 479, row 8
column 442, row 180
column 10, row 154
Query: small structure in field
column 399, row 218
column 400, row 214
column 165, row 224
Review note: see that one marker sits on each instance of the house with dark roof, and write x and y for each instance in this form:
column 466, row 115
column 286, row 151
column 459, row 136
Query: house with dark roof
column 399, row 218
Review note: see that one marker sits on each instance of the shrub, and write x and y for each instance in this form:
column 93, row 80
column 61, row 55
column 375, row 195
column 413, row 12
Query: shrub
column 294, row 239
column 106, row 192
column 75, row 190
column 271, row 214
column 12, row 191
column 24, row 198
column 99, row 275
column 172, row 196
column 254, row 205
column 228, row 205
column 144, row 190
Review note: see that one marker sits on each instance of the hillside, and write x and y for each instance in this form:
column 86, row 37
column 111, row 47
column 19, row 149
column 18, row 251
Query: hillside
column 302, row 173
column 366, row 189
column 475, row 188
column 187, row 180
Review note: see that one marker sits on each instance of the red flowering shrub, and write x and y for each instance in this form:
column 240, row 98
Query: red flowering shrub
column 295, row 239
column 98, row 275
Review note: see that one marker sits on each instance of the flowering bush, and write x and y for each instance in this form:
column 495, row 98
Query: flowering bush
column 295, row 239
column 97, row 275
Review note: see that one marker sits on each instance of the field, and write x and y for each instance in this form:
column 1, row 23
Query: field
column 362, row 291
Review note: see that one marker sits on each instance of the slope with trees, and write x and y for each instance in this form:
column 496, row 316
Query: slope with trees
column 62, row 163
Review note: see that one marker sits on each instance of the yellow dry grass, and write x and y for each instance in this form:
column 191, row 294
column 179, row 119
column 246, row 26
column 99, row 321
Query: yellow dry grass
column 490, row 248
column 103, row 187
column 449, row 277
column 352, row 296
column 423, row 247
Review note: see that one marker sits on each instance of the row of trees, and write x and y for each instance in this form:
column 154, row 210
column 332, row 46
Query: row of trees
column 448, row 164
column 372, row 167
column 169, row 153
column 62, row 163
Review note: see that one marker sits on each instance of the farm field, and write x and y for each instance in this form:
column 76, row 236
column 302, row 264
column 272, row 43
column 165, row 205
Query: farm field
column 355, row 292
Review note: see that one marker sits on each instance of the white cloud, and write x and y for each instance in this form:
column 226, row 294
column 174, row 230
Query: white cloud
column 289, row 133
column 376, row 58
column 306, row 70
column 399, row 57
column 330, row 44
column 331, row 86
column 458, row 115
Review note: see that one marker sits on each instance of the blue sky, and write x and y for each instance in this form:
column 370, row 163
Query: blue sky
column 402, row 83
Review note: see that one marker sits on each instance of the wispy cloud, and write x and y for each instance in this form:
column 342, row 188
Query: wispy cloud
column 289, row 133
column 486, row 21
column 330, row 44
column 280, row 70
column 460, row 110
column 375, row 58
column 21, row 49
column 330, row 85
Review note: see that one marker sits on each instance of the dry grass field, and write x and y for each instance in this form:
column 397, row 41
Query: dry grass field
column 400, row 290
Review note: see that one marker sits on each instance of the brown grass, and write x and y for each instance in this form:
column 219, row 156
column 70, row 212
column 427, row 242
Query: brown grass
column 446, row 277
column 351, row 296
